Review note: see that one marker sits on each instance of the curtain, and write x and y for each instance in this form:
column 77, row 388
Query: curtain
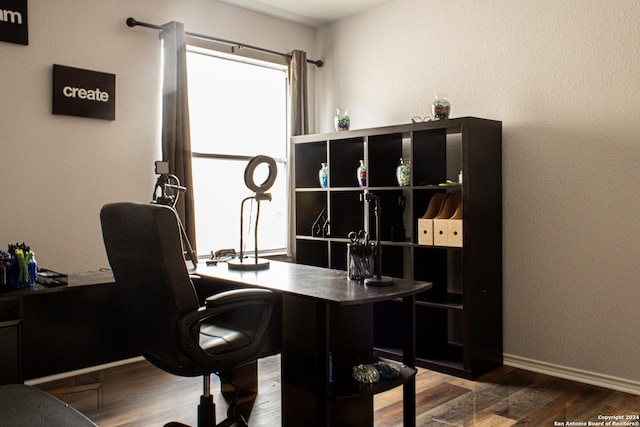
column 298, row 93
column 176, row 139
column 299, row 121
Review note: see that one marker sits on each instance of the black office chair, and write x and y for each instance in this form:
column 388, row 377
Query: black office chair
column 160, row 310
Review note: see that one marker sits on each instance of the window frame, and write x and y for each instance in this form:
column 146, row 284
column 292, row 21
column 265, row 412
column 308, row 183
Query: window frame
column 255, row 58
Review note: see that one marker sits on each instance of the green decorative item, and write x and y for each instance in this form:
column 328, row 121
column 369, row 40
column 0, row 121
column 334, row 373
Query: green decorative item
column 403, row 173
column 367, row 374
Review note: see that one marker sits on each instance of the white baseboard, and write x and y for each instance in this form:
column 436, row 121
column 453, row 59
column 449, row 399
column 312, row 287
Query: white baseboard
column 83, row 371
column 592, row 378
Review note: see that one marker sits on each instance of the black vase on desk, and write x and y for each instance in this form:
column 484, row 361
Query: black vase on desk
column 398, row 233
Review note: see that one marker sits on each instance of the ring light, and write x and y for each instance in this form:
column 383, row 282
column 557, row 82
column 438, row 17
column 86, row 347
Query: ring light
column 249, row 178
column 260, row 195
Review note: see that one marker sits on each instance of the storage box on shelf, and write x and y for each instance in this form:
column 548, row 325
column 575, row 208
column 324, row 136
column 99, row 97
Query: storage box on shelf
column 456, row 243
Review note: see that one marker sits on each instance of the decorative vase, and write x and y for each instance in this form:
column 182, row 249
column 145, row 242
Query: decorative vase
column 441, row 107
column 361, row 174
column 403, row 173
column 342, row 120
column 323, row 175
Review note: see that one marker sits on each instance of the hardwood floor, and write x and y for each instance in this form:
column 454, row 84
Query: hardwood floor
column 139, row 394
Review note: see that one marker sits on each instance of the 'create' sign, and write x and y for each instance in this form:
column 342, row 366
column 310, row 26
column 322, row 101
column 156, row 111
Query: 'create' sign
column 85, row 93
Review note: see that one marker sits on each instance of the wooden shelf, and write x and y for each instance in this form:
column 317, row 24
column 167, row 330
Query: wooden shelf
column 351, row 388
column 465, row 303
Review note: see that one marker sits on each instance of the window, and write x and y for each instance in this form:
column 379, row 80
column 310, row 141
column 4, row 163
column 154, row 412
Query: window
column 238, row 109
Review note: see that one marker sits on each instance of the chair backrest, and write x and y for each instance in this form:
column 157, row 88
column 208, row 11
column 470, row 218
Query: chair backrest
column 144, row 248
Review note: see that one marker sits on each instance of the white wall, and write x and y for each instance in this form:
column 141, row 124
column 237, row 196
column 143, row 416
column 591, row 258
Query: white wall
column 57, row 171
column 562, row 76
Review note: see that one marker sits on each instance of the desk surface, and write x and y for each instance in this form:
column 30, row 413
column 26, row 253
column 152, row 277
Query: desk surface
column 321, row 284
column 78, row 279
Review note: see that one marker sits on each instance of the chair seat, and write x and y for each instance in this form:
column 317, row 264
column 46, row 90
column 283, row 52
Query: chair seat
column 217, row 339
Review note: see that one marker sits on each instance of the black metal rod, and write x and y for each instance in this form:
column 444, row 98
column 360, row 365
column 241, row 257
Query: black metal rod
column 132, row 22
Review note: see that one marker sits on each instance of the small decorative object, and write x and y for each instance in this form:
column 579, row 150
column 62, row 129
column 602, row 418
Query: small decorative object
column 403, row 172
column 372, row 373
column 441, row 107
column 320, row 227
column 342, row 120
column 361, row 174
column 387, row 371
column 367, row 374
column 323, row 175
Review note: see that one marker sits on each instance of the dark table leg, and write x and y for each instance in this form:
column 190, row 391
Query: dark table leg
column 322, row 345
column 409, row 359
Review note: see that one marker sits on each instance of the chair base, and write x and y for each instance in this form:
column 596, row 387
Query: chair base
column 207, row 413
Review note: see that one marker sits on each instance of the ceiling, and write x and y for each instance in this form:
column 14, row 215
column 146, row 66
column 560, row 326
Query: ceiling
column 309, row 12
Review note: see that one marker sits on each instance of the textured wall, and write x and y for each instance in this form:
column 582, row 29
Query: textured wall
column 563, row 78
column 57, row 171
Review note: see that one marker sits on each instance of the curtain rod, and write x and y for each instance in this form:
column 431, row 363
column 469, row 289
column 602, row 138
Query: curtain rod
column 131, row 22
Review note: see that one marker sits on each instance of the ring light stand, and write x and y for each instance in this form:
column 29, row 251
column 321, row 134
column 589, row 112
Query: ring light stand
column 166, row 192
column 260, row 195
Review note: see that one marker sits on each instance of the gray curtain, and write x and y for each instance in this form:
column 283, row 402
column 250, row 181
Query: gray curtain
column 299, row 121
column 176, row 138
column 298, row 93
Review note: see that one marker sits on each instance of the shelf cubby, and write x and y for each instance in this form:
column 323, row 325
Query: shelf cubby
column 309, row 157
column 346, row 213
column 344, row 159
column 383, row 156
column 309, row 206
column 312, row 252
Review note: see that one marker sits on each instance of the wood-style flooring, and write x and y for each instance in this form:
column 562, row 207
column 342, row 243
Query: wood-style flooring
column 138, row 394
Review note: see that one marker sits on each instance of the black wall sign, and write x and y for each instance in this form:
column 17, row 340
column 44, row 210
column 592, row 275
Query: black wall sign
column 84, row 93
column 13, row 21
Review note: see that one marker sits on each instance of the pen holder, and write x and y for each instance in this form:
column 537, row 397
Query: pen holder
column 359, row 261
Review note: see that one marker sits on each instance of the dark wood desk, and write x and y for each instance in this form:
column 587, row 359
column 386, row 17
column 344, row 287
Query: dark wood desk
column 46, row 331
column 327, row 329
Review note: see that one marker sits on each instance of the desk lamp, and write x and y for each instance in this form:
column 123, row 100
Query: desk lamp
column 378, row 279
column 166, row 192
column 260, row 194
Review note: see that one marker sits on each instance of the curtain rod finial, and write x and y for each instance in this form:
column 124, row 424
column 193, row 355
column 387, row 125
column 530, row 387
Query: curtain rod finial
column 131, row 22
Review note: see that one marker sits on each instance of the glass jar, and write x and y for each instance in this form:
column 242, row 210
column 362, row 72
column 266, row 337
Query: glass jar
column 342, row 120
column 359, row 261
column 323, row 175
column 361, row 174
column 403, row 173
column 441, row 107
